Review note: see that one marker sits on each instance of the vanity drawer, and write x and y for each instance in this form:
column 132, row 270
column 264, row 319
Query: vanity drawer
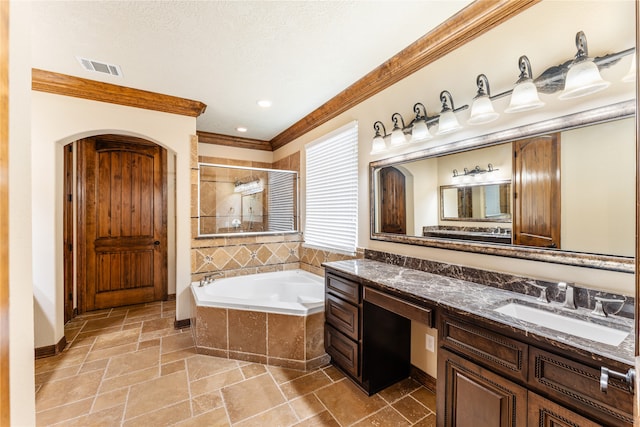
column 343, row 351
column 497, row 352
column 344, row 288
column 343, row 316
column 578, row 386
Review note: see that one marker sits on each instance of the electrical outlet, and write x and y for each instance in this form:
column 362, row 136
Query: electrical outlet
column 430, row 343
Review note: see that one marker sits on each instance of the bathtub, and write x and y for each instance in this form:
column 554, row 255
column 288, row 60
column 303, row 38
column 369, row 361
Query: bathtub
column 272, row 318
column 295, row 292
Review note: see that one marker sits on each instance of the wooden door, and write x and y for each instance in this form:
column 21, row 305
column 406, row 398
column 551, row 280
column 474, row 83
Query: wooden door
column 536, row 171
column 122, row 222
column 472, row 396
column 393, row 215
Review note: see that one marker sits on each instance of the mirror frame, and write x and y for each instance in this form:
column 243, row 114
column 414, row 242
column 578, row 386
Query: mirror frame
column 617, row 111
column 296, row 181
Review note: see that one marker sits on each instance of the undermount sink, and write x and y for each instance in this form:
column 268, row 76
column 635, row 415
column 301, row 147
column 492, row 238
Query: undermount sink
column 560, row 323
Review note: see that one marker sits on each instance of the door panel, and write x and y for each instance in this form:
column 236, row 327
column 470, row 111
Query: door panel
column 124, row 223
column 393, row 214
column 536, row 168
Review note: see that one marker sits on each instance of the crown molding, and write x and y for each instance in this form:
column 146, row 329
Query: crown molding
column 471, row 22
column 233, row 141
column 63, row 84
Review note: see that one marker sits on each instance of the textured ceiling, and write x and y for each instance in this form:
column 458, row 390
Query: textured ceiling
column 230, row 54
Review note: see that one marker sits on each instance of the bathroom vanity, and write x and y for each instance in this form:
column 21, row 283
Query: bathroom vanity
column 493, row 368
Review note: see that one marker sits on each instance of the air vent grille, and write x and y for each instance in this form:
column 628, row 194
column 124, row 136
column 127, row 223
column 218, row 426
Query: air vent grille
column 100, row 67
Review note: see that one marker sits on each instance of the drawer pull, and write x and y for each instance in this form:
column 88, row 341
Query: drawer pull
column 605, row 373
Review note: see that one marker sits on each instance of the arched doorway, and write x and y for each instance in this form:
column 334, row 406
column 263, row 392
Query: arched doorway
column 121, row 223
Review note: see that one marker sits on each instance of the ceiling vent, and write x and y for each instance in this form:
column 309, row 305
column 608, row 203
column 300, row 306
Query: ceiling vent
column 100, row 67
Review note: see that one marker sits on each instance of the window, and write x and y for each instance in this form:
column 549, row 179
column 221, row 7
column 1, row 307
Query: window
column 332, row 191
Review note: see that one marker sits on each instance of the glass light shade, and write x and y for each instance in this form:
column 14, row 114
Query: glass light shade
column 420, row 131
column 448, row 123
column 630, row 77
column 397, row 137
column 378, row 145
column 482, row 111
column 524, row 98
column 583, row 79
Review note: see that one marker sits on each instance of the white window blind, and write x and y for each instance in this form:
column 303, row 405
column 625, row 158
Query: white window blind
column 281, row 201
column 331, row 215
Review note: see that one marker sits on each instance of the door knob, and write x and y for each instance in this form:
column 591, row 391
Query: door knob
column 156, row 243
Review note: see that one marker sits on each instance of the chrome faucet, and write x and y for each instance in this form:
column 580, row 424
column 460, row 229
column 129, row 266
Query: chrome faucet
column 569, row 294
column 206, row 280
column 543, row 297
column 599, row 308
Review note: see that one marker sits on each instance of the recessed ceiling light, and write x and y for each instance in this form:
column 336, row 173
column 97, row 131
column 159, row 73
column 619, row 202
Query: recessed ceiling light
column 264, row 103
column 241, row 129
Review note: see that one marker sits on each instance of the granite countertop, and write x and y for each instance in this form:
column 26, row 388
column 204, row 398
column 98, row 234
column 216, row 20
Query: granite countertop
column 476, row 300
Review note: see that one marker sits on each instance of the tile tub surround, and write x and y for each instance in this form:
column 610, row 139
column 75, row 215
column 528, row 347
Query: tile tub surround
column 129, row 367
column 584, row 297
column 474, row 300
column 289, row 341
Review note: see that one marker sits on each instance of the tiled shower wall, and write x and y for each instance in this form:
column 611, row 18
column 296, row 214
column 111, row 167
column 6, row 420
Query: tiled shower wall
column 236, row 256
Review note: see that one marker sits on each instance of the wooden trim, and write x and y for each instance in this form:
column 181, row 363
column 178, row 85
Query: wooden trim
column 471, row 22
column 63, row 84
column 4, row 214
column 426, row 380
column 51, row 350
column 182, row 324
column 233, row 141
column 171, row 297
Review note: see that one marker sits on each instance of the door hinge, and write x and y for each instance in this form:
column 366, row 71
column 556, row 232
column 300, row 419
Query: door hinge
column 70, row 296
column 515, row 195
column 70, row 247
column 70, row 148
column 69, row 197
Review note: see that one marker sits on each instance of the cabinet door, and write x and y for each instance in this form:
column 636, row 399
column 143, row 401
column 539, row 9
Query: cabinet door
column 471, row 396
column 545, row 413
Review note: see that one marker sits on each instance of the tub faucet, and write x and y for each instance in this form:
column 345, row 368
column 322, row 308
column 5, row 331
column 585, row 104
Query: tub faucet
column 206, row 280
column 569, row 294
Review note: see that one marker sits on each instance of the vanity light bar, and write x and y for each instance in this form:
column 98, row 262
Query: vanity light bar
column 474, row 171
column 574, row 78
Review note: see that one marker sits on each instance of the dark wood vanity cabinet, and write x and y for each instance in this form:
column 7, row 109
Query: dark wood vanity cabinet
column 486, row 378
column 373, row 357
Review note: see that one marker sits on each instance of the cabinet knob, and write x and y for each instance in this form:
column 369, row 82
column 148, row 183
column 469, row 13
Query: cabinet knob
column 628, row 378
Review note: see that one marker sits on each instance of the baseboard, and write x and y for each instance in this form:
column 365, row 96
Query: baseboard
column 51, row 350
column 171, row 297
column 182, row 324
column 423, row 378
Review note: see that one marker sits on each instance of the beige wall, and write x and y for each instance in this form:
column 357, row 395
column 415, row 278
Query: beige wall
column 456, row 72
column 609, row 26
column 598, row 188
column 21, row 322
column 57, row 120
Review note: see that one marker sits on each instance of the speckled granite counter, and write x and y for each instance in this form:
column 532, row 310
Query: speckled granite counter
column 475, row 301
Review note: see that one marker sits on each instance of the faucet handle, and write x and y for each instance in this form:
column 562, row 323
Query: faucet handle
column 569, row 297
column 543, row 297
column 599, row 308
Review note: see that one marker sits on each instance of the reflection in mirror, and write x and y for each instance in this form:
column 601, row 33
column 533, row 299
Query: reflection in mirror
column 235, row 200
column 567, row 192
column 476, row 202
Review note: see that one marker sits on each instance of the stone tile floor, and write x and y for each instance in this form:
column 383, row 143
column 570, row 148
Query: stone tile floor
column 128, row 366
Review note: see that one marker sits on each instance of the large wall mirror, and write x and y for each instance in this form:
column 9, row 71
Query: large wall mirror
column 239, row 200
column 561, row 191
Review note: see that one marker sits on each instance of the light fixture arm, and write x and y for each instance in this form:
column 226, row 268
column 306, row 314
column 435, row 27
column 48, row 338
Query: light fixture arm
column 483, row 86
column 395, row 117
column 525, row 69
column 376, row 126
column 581, row 46
column 446, row 99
